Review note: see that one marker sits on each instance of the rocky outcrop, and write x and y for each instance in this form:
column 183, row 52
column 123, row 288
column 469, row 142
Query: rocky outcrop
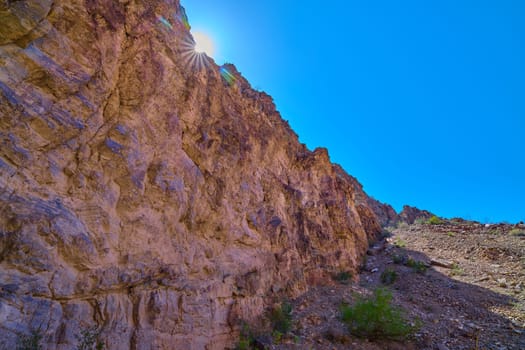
column 411, row 214
column 386, row 215
column 148, row 191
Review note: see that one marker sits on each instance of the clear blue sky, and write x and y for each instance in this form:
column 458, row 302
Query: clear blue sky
column 422, row 101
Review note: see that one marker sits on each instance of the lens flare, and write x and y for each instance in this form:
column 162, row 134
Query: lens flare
column 182, row 18
column 195, row 49
column 192, row 58
column 203, row 43
column 227, row 75
column 165, row 22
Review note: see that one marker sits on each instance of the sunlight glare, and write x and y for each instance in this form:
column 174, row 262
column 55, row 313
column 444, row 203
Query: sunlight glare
column 203, row 44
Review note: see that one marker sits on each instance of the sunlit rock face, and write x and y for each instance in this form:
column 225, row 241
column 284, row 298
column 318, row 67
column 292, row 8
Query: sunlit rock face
column 148, row 191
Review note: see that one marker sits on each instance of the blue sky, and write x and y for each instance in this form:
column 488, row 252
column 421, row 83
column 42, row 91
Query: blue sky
column 422, row 101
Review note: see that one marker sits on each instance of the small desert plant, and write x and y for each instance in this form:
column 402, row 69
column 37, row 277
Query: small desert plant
column 388, row 276
column 434, row 220
column 243, row 344
column 400, row 243
column 399, row 258
column 281, row 318
column 456, row 270
column 343, row 277
column 417, row 266
column 246, row 339
column 277, row 336
column 376, row 318
column 88, row 339
column 517, row 232
column 451, row 234
column 30, row 342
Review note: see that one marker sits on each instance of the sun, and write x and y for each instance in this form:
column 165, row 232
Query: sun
column 203, row 44
column 197, row 50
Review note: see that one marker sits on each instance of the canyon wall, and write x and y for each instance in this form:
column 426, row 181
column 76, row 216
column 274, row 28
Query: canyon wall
column 146, row 190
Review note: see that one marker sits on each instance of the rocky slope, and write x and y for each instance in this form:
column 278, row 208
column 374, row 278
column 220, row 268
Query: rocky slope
column 148, row 191
column 470, row 293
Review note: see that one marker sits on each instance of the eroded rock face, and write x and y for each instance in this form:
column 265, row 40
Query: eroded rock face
column 147, row 192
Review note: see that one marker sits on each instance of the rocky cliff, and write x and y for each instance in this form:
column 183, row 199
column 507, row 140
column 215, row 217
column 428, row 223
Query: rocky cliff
column 411, row 214
column 148, row 191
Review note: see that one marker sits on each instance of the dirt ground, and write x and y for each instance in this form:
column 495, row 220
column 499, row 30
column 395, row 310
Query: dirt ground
column 472, row 296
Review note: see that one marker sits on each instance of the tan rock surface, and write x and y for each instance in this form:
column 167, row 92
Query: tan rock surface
column 148, row 194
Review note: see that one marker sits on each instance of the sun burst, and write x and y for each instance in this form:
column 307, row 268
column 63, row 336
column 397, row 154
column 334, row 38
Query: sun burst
column 197, row 50
column 203, row 44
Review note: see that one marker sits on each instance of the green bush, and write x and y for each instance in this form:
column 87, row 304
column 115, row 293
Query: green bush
column 399, row 258
column 246, row 340
column 400, row 243
column 277, row 337
column 456, row 270
column 517, row 232
column 417, row 266
column 281, row 318
column 343, row 277
column 388, row 276
column 434, row 220
column 376, row 318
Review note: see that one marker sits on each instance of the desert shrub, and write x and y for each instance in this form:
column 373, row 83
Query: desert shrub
column 517, row 232
column 277, row 337
column 417, row 266
column 399, row 258
column 388, row 276
column 243, row 344
column 434, row 220
column 376, row 318
column 400, row 243
column 343, row 277
column 88, row 339
column 281, row 318
column 30, row 342
column 456, row 270
column 246, row 338
column 451, row 234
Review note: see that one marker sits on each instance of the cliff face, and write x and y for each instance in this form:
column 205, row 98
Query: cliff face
column 148, row 191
